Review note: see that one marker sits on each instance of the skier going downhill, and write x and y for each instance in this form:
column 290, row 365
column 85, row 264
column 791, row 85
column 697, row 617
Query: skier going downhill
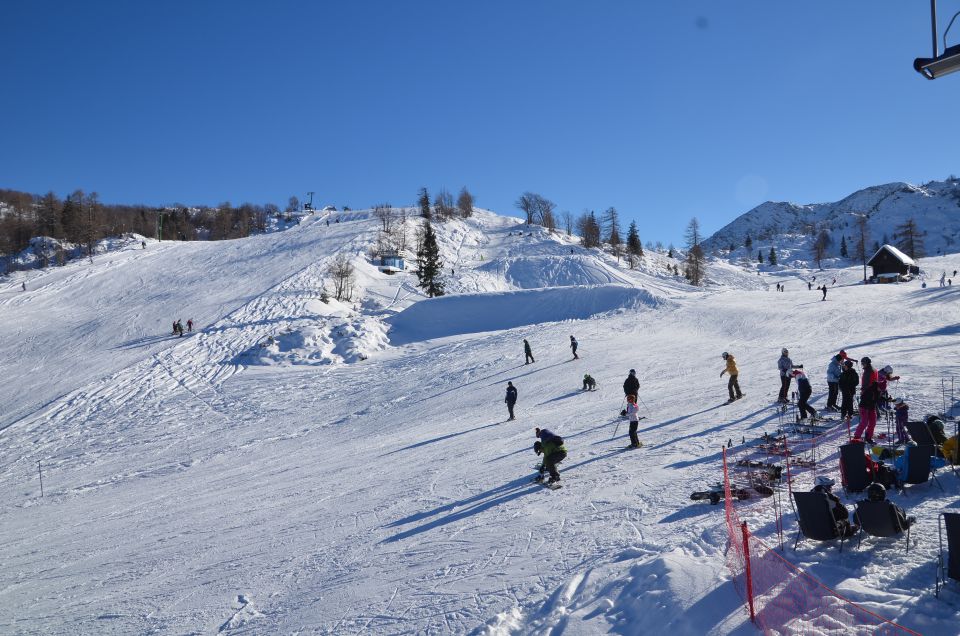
column 732, row 385
column 631, row 386
column 573, row 347
column 511, row 399
column 553, row 451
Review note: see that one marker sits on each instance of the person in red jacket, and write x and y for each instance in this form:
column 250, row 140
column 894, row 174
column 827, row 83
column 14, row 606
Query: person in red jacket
column 869, row 396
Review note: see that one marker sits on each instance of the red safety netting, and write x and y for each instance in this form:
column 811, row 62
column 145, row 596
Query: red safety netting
column 758, row 479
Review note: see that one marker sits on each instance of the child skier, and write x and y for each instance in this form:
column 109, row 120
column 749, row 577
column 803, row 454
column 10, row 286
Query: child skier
column 804, row 391
column 589, row 384
column 732, row 385
column 633, row 413
column 554, row 452
column 902, row 411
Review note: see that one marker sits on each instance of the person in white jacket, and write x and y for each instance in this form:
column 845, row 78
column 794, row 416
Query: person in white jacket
column 633, row 414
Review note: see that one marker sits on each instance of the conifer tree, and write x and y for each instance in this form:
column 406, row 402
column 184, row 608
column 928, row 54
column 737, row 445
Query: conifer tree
column 843, row 247
column 748, row 243
column 760, row 257
column 429, row 265
column 634, row 246
column 423, row 200
column 772, row 257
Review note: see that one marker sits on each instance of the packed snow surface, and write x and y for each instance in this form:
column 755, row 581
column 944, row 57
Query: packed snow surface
column 299, row 464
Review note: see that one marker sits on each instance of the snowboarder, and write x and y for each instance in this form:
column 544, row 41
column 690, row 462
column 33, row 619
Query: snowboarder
column 785, row 364
column 822, row 485
column 869, row 394
column 551, row 446
column 804, row 391
column 573, row 347
column 527, row 352
column 848, row 386
column 189, row 325
column 633, row 414
column 631, row 386
column 733, row 387
column 589, row 384
column 824, row 290
column 511, row 399
column 834, row 370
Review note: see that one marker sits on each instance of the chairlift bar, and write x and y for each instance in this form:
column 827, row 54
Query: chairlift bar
column 933, row 25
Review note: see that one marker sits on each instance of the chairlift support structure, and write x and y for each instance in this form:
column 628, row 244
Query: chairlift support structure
column 940, row 64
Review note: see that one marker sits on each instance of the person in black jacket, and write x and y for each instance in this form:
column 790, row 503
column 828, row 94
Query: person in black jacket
column 631, row 386
column 511, row 398
column 876, row 492
column 804, row 391
column 527, row 352
column 848, row 386
column 823, row 484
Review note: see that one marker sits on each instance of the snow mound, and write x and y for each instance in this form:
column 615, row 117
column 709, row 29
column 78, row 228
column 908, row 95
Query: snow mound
column 554, row 271
column 343, row 340
column 475, row 313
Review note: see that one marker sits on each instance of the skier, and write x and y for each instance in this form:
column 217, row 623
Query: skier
column 804, row 391
column 848, row 386
column 143, row 244
column 785, row 365
column 824, row 289
column 553, row 453
column 589, row 384
column 527, row 352
column 189, row 325
column 733, row 387
column 868, row 402
column 822, row 485
column 943, row 278
column 631, row 386
column 901, row 411
column 174, row 327
column 633, row 413
column 810, row 286
column 834, row 370
column 883, row 377
column 179, row 328
column 573, row 347
column 23, row 286
column 511, row 399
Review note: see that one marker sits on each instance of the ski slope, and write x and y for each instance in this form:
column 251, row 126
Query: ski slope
column 356, row 474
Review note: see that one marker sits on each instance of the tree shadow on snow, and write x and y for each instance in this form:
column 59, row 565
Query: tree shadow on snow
column 949, row 330
column 464, row 508
column 441, row 438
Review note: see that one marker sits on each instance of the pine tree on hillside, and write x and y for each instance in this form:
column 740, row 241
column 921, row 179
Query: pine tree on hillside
column 634, row 246
column 843, row 247
column 910, row 239
column 696, row 259
column 748, row 243
column 429, row 265
column 760, row 257
column 423, row 200
column 772, row 257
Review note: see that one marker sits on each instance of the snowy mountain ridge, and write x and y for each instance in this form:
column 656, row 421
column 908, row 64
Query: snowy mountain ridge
column 793, row 228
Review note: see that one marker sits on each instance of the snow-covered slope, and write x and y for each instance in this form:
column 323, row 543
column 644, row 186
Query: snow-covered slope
column 792, row 228
column 245, row 479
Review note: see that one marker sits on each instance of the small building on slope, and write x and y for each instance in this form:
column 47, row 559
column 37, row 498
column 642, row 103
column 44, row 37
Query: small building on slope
column 889, row 264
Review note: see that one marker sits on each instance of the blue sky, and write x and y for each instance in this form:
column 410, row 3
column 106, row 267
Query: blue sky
column 665, row 110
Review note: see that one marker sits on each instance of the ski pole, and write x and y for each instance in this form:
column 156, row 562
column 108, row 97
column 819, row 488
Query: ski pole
column 41, row 477
column 617, row 428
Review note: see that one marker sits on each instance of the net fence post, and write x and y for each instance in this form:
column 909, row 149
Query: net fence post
column 746, row 559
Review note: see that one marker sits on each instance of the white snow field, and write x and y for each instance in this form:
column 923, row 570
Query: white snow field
column 292, row 468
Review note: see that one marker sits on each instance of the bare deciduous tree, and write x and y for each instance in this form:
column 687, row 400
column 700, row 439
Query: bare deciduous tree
column 341, row 273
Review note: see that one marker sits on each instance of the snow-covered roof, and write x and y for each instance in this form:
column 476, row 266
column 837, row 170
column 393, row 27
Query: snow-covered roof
column 900, row 256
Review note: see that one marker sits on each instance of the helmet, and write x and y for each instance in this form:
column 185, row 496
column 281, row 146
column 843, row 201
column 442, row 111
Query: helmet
column 823, row 480
column 898, row 401
column 537, row 447
column 536, row 432
column 864, row 360
column 632, row 399
column 838, row 357
column 888, row 370
column 876, row 492
column 633, row 372
column 842, row 354
column 725, row 355
column 784, row 352
column 848, row 364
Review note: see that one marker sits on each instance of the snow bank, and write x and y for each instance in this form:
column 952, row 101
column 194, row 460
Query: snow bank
column 554, row 271
column 474, row 313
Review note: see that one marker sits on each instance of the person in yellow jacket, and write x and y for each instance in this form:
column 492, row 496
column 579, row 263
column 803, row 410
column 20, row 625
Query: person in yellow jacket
column 950, row 450
column 732, row 385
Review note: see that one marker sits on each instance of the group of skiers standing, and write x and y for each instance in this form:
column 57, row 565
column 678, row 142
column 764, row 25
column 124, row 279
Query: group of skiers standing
column 178, row 327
